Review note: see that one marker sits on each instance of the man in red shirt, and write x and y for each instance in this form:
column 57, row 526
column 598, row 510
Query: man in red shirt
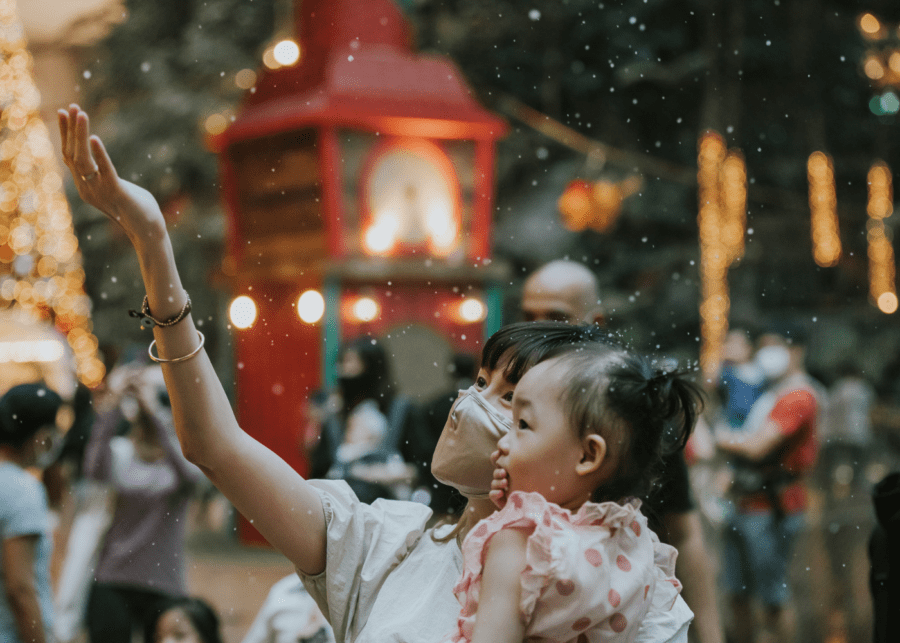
column 772, row 453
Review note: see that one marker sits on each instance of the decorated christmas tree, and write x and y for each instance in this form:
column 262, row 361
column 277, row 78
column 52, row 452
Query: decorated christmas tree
column 41, row 273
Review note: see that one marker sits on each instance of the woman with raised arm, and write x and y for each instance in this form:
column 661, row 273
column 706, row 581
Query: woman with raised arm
column 378, row 573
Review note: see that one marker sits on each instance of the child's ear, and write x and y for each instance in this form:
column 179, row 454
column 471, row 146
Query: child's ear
column 592, row 455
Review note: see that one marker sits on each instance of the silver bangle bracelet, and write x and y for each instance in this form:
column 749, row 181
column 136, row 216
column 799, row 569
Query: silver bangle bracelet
column 160, row 360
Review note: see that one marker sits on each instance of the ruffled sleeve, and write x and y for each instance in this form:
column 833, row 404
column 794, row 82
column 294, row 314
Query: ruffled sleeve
column 527, row 512
column 595, row 572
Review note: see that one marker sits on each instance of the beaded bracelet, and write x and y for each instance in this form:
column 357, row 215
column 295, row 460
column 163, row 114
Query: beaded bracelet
column 148, row 321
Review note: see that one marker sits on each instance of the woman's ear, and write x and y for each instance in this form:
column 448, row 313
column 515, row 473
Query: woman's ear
column 592, row 456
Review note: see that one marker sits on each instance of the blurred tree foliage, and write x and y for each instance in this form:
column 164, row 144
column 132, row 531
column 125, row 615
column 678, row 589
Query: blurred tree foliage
column 778, row 78
column 148, row 87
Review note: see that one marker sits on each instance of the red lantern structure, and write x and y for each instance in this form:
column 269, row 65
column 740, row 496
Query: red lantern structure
column 362, row 178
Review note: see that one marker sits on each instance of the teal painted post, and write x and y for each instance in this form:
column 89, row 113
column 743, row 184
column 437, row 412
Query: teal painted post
column 494, row 303
column 331, row 331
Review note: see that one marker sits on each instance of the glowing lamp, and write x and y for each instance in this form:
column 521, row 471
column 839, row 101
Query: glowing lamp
column 286, row 52
column 311, row 306
column 576, row 205
column 365, row 309
column 471, row 310
column 381, row 236
column 242, row 312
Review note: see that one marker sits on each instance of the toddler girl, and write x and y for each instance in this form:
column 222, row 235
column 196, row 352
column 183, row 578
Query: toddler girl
column 566, row 558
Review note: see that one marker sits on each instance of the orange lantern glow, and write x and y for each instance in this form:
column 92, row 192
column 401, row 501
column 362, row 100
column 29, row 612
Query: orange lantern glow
column 577, row 205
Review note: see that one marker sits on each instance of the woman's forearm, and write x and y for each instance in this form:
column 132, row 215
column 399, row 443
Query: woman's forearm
column 201, row 411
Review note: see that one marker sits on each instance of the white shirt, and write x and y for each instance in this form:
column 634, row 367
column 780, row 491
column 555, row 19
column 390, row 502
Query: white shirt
column 288, row 615
column 387, row 581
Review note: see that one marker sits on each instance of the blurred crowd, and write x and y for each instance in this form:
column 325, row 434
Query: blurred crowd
column 777, row 481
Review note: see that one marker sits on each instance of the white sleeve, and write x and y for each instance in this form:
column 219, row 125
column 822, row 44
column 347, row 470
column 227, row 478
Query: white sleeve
column 364, row 545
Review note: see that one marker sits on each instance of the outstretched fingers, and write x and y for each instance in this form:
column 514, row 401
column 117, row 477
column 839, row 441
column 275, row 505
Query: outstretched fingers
column 104, row 164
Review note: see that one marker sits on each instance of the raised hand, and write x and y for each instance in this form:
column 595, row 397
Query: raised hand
column 98, row 184
column 500, row 483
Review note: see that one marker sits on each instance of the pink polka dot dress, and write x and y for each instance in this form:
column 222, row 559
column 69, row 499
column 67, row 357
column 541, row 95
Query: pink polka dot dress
column 590, row 576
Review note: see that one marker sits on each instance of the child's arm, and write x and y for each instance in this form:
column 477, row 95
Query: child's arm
column 498, row 620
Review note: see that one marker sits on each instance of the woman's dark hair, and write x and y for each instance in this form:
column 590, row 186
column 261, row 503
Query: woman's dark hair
column 24, row 410
column 202, row 616
column 376, row 382
column 525, row 344
column 642, row 411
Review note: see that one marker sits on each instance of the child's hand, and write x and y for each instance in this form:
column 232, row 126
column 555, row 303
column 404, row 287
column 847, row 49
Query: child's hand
column 499, row 484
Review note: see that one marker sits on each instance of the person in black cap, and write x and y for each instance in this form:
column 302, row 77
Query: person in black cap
column 27, row 424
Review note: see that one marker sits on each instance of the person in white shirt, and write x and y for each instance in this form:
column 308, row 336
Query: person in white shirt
column 376, row 571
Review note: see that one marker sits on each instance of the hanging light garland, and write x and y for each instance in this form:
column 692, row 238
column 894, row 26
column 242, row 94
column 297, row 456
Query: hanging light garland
column 823, row 206
column 40, row 264
column 714, row 304
column 882, row 286
column 733, row 197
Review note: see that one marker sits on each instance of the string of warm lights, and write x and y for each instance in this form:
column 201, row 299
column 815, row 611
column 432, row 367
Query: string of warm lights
column 40, row 264
column 882, row 287
column 714, row 304
column 823, row 207
column 733, row 199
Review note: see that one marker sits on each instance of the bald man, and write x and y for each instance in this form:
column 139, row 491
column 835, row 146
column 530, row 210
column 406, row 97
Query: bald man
column 567, row 291
column 562, row 291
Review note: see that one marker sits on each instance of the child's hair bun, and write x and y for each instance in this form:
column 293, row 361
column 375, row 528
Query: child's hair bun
column 656, row 409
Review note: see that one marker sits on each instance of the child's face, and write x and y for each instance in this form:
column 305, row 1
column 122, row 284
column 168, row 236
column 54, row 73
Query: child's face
column 174, row 626
column 541, row 451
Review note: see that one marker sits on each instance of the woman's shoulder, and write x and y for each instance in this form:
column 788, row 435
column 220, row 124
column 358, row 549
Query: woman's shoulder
column 341, row 505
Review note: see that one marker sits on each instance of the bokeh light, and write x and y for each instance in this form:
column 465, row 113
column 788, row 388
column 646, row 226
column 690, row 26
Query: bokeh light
column 471, row 310
column 823, row 207
column 245, row 78
column 311, row 306
column 365, row 309
column 286, row 52
column 887, row 303
column 242, row 312
column 869, row 24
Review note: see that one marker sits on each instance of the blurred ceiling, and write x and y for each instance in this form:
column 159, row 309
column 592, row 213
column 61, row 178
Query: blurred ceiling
column 68, row 23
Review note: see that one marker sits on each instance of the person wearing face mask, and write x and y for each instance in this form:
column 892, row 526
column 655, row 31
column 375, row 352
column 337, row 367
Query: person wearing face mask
column 374, row 431
column 27, row 422
column 377, row 571
column 133, row 449
column 771, row 455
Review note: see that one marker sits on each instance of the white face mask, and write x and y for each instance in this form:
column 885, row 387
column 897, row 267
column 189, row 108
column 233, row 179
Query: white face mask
column 462, row 458
column 773, row 360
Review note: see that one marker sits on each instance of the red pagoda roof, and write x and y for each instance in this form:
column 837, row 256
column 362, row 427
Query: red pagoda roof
column 357, row 70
